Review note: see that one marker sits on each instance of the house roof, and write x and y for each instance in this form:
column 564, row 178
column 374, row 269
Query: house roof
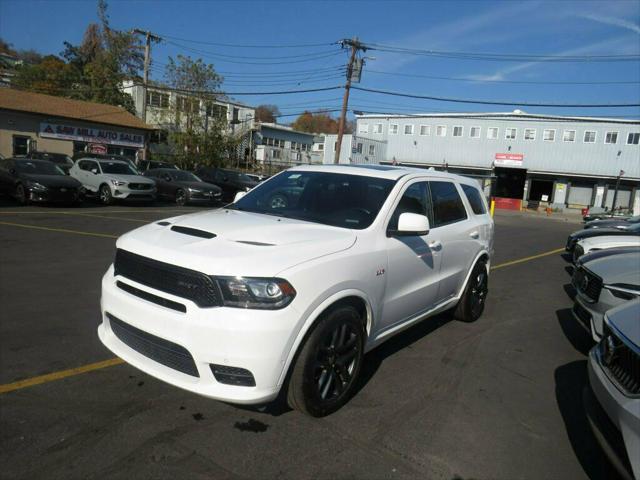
column 30, row 102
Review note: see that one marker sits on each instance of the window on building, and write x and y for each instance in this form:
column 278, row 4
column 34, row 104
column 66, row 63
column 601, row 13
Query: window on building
column 393, row 128
column 217, row 111
column 363, row 128
column 549, row 135
column 359, row 147
column 569, row 136
column 275, row 153
column 589, row 136
column 510, row 133
column 79, row 147
column 335, row 146
column 457, row 131
column 529, row 133
column 372, row 149
column 408, row 129
column 321, row 147
column 377, row 128
column 20, row 145
column 474, row 132
column 611, row 137
column 188, row 105
column 159, row 136
column 294, row 145
column 633, row 138
column 425, row 130
column 441, row 131
column 447, row 204
column 492, row 133
column 157, row 99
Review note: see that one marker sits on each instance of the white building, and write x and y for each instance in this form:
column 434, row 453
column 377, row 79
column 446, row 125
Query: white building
column 354, row 149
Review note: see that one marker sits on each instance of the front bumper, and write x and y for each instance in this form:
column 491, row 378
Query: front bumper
column 125, row 193
column 255, row 340
column 54, row 195
column 591, row 315
column 614, row 419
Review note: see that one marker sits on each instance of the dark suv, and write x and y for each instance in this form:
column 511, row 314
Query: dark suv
column 144, row 165
column 60, row 159
column 230, row 181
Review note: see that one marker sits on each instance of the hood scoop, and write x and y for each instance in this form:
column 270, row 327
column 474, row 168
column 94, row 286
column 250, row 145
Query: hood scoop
column 193, row 232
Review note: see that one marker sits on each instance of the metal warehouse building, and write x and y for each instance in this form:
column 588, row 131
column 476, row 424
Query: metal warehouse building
column 569, row 162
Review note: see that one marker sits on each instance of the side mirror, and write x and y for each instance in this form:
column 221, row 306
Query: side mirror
column 239, row 195
column 412, row 224
column 166, row 178
column 94, row 171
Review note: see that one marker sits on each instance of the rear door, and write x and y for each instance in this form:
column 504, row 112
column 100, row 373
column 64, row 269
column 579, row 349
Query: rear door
column 455, row 232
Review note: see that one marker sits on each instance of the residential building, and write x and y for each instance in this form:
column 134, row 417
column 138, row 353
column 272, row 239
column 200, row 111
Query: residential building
column 354, row 149
column 563, row 161
column 281, row 146
column 33, row 121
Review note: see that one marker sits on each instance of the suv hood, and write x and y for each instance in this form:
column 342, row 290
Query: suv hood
column 610, row 241
column 246, row 244
column 623, row 268
column 625, row 319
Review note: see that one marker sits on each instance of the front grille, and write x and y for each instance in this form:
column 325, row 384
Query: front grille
column 150, row 297
column 140, row 186
column 157, row 349
column 623, row 366
column 587, row 283
column 178, row 281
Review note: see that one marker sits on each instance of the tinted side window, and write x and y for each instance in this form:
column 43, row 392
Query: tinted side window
column 83, row 165
column 447, row 204
column 475, row 200
column 414, row 200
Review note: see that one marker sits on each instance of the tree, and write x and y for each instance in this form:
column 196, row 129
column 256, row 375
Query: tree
column 319, row 122
column 267, row 113
column 52, row 76
column 200, row 135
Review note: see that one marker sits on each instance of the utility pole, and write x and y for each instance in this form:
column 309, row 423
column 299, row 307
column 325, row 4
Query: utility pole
column 147, row 61
column 615, row 194
column 355, row 46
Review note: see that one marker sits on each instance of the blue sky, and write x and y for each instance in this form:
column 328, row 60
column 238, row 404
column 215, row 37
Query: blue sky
column 526, row 27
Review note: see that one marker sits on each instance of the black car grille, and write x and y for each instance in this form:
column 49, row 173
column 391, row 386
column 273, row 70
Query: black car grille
column 587, row 283
column 179, row 281
column 157, row 349
column 140, row 186
column 623, row 365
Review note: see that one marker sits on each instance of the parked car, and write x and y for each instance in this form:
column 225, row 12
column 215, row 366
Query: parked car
column 609, row 252
column 603, row 213
column 631, row 239
column 257, row 177
column 575, row 237
column 37, row 181
column 112, row 180
column 230, row 181
column 240, row 302
column 60, row 159
column 621, row 223
column 183, row 187
column 105, row 156
column 602, row 284
column 144, row 165
column 612, row 399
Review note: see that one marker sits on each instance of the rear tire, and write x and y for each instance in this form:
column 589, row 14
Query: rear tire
column 471, row 304
column 325, row 372
column 105, row 195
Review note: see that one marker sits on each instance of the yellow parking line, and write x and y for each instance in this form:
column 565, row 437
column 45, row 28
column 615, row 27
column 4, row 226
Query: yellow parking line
column 60, row 230
column 50, row 377
column 526, row 259
column 91, row 215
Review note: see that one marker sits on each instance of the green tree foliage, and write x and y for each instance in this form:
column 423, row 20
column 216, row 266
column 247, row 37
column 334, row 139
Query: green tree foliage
column 51, row 76
column 267, row 113
column 200, row 136
column 319, row 122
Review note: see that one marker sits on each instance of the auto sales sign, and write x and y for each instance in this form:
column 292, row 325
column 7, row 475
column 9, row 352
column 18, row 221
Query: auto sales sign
column 92, row 135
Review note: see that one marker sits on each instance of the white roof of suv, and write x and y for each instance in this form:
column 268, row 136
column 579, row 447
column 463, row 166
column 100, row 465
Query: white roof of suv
column 381, row 171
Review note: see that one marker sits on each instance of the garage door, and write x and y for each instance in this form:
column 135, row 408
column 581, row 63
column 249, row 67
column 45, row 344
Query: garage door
column 623, row 200
column 580, row 195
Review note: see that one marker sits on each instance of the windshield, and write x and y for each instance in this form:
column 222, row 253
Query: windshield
column 38, row 168
column 118, row 168
column 182, row 176
column 348, row 201
column 237, row 176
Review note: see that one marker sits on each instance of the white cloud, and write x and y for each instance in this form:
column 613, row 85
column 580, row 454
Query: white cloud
column 615, row 21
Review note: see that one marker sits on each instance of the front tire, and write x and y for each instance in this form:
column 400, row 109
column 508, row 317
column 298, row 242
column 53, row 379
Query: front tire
column 21, row 195
column 181, row 198
column 105, row 195
column 471, row 304
column 326, row 370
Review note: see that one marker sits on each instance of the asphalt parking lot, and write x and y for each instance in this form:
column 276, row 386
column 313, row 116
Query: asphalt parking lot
column 497, row 399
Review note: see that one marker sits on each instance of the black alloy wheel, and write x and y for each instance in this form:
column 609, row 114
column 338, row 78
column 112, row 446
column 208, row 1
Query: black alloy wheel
column 181, row 197
column 325, row 372
column 21, row 195
column 471, row 304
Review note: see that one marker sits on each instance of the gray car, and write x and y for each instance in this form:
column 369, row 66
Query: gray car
column 602, row 284
column 612, row 402
column 622, row 223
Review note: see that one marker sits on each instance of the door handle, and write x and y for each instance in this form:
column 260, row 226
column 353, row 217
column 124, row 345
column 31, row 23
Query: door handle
column 435, row 245
column 474, row 234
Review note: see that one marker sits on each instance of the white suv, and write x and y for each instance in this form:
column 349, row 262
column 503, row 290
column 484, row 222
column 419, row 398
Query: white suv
column 112, row 180
column 237, row 303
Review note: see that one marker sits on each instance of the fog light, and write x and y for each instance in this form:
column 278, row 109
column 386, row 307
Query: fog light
column 233, row 375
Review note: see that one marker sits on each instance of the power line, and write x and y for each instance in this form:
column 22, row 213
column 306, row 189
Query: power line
column 496, row 102
column 252, row 57
column 210, row 93
column 461, row 79
column 286, row 73
column 237, row 45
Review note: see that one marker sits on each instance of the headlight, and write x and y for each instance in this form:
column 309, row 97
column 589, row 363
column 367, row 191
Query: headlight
column 118, row 183
column 36, row 186
column 194, row 190
column 258, row 293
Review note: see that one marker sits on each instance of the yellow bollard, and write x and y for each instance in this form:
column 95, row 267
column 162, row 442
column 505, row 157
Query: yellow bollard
column 493, row 207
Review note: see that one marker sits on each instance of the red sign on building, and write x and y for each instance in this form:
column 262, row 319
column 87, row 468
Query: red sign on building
column 509, row 159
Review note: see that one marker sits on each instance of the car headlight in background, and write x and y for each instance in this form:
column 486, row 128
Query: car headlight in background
column 36, row 186
column 194, row 190
column 118, row 183
column 258, row 293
